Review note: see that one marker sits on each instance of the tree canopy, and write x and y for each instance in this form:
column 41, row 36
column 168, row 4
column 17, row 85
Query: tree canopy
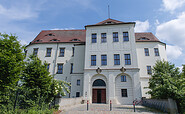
column 168, row 82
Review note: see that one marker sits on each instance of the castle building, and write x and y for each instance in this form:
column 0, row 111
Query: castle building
column 105, row 61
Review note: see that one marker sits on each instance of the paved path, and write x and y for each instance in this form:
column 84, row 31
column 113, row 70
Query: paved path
column 105, row 109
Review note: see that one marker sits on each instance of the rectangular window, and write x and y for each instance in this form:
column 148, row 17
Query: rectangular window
column 94, row 37
column 60, row 69
column 103, row 37
column 146, row 51
column 48, row 52
column 48, row 65
column 35, row 51
column 93, row 60
column 103, row 59
column 156, row 51
column 73, row 51
column 78, row 82
column 149, row 70
column 116, row 59
column 124, row 93
column 125, row 36
column 71, row 68
column 115, row 37
column 123, row 79
column 127, row 59
column 62, row 52
column 77, row 94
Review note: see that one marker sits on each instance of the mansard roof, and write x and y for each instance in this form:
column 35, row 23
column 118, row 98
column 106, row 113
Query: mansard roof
column 55, row 36
column 79, row 36
column 110, row 21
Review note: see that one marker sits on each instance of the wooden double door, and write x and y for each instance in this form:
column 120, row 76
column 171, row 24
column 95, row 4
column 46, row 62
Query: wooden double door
column 99, row 96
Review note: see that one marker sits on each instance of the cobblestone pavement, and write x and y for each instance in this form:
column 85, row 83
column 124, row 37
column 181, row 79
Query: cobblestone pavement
column 105, row 109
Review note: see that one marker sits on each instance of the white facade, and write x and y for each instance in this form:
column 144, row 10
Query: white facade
column 84, row 74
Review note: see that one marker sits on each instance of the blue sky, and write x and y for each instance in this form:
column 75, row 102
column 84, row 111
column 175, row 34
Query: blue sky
column 164, row 18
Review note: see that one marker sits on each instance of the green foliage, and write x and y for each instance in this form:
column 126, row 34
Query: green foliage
column 168, row 82
column 11, row 63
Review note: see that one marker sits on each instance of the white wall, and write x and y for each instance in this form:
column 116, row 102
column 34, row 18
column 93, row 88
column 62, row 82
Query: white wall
column 66, row 60
column 144, row 61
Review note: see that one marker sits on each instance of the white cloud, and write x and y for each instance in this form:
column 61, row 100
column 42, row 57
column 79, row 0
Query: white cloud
column 173, row 31
column 171, row 5
column 173, row 52
column 17, row 13
column 142, row 26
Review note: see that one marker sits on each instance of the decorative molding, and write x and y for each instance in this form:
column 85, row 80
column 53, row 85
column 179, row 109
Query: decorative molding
column 98, row 70
column 122, row 69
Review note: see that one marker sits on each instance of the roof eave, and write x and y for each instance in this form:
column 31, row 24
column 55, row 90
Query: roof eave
column 111, row 24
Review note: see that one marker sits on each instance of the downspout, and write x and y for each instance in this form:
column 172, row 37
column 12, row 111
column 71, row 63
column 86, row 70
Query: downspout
column 54, row 61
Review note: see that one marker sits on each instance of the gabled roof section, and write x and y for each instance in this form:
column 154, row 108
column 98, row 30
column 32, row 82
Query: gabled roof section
column 146, row 37
column 55, row 36
column 110, row 22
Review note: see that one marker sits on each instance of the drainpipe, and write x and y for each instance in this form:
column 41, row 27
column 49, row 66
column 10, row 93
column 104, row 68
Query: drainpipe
column 54, row 61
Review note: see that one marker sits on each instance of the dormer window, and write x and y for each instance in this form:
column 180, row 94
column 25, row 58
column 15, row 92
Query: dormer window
column 50, row 34
column 54, row 40
column 37, row 40
column 75, row 40
column 143, row 38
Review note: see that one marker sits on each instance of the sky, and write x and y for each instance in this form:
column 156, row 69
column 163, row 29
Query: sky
column 164, row 18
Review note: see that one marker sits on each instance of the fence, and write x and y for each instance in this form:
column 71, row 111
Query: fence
column 68, row 102
column 165, row 105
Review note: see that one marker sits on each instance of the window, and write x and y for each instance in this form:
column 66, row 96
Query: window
column 71, row 68
column 73, row 51
column 78, row 82
column 125, row 36
column 149, row 70
column 103, row 59
column 94, row 38
column 35, row 51
column 103, row 37
column 62, row 52
column 146, row 51
column 123, row 79
column 116, row 59
column 48, row 52
column 60, row 69
column 127, row 59
column 48, row 65
column 124, row 93
column 77, row 94
column 115, row 37
column 156, row 51
column 93, row 60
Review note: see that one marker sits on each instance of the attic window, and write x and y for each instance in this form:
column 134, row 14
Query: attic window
column 75, row 40
column 109, row 22
column 143, row 38
column 54, row 40
column 50, row 34
column 37, row 40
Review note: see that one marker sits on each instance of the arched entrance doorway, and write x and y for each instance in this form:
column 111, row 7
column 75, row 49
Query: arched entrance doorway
column 99, row 91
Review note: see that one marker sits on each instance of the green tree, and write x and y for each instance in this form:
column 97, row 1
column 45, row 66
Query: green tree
column 167, row 82
column 11, row 63
column 38, row 85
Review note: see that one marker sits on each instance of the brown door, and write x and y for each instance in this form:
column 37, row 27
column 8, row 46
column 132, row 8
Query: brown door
column 99, row 96
column 103, row 96
column 94, row 97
